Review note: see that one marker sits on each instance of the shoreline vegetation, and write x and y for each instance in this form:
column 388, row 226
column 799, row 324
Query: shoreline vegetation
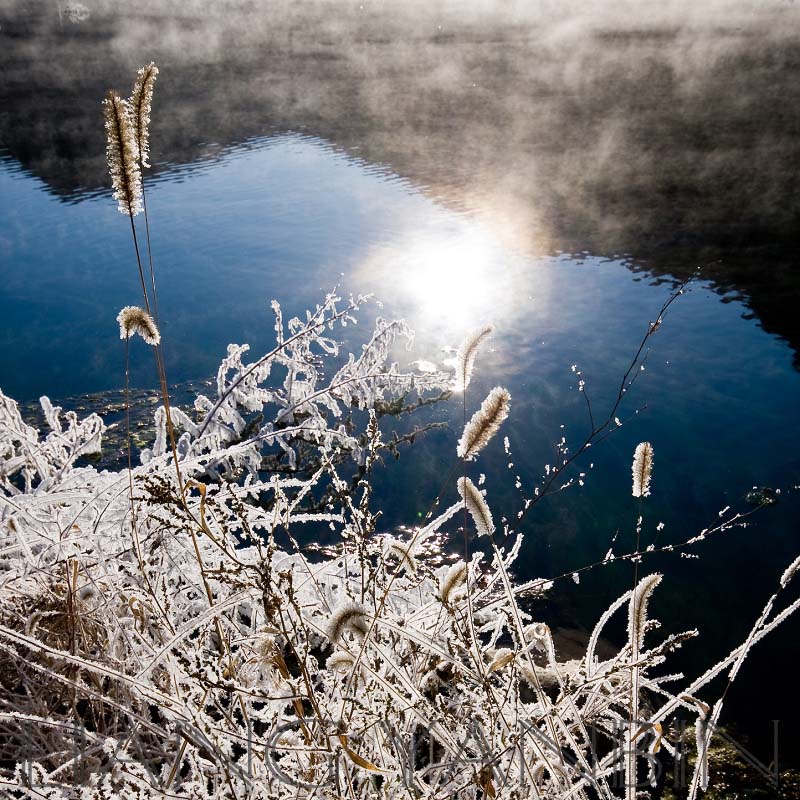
column 226, row 617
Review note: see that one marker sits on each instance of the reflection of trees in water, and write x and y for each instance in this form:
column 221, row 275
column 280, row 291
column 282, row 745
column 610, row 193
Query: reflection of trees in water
column 673, row 141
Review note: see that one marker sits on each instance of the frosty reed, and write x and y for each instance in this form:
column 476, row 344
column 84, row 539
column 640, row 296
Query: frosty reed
column 229, row 617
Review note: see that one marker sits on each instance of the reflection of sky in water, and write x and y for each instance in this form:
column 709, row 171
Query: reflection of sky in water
column 290, row 217
column 287, row 219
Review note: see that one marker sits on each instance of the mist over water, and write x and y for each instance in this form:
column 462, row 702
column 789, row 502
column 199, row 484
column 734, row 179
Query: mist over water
column 551, row 167
column 666, row 131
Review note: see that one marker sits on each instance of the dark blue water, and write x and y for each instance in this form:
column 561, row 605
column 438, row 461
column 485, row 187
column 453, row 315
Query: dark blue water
column 292, row 215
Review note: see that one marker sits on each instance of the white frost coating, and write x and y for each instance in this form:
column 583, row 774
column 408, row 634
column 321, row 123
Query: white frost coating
column 140, row 103
column 302, row 408
column 349, row 617
column 402, row 551
column 789, row 572
column 465, row 357
column 199, row 625
column 642, row 469
column 452, row 581
column 36, row 461
column 637, row 611
column 133, row 319
column 122, row 155
column 476, row 506
column 485, row 423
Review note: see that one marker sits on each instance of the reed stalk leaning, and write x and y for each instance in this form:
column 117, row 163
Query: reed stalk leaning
column 127, row 124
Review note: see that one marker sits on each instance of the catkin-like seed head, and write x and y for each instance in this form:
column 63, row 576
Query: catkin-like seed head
column 451, row 582
column 485, row 423
column 348, row 616
column 402, row 552
column 465, row 358
column 133, row 319
column 637, row 609
column 122, row 154
column 476, row 506
column 140, row 103
column 642, row 469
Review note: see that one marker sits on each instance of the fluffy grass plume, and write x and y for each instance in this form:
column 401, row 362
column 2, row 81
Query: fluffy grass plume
column 642, row 469
column 352, row 617
column 477, row 507
column 452, row 581
column 485, row 422
column 133, row 319
column 465, row 358
column 402, row 552
column 637, row 610
column 140, row 103
column 122, row 153
column 340, row 662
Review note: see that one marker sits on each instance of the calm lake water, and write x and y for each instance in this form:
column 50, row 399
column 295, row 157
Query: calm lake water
column 466, row 166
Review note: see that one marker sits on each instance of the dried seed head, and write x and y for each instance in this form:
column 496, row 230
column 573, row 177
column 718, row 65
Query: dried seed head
column 642, row 469
column 485, row 423
column 465, row 358
column 122, row 153
column 637, row 609
column 340, row 662
column 352, row 617
column 452, row 581
column 404, row 553
column 133, row 319
column 140, row 103
column 477, row 507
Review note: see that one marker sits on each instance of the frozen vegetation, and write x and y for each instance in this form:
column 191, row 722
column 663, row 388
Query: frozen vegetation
column 168, row 631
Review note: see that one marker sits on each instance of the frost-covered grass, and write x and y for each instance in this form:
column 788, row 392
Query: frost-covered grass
column 168, row 631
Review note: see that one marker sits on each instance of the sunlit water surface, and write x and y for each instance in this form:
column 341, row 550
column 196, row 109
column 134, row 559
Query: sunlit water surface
column 291, row 217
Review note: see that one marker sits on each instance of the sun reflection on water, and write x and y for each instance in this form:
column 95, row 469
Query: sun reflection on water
column 449, row 278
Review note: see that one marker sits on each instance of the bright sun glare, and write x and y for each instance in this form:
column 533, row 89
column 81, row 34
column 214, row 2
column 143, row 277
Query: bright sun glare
column 452, row 282
column 447, row 281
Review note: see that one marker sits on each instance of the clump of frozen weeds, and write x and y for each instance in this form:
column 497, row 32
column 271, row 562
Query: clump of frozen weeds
column 171, row 636
column 227, row 618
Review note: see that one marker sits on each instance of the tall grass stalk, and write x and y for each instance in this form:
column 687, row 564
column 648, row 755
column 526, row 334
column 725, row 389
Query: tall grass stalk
column 127, row 134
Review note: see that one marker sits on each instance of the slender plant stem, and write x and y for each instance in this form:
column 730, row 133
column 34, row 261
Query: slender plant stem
column 150, row 252
column 139, row 264
column 630, row 789
column 128, row 429
column 159, row 364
